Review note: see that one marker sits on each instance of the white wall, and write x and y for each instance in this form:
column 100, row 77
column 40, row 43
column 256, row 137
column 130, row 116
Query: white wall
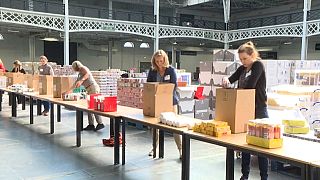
column 191, row 62
column 16, row 47
column 293, row 51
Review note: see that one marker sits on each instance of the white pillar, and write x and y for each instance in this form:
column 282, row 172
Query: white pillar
column 110, row 54
column 156, row 32
column 110, row 9
column 304, row 42
column 174, row 61
column 32, row 50
column 66, row 32
column 226, row 10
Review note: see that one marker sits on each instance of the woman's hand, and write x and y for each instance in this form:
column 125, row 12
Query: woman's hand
column 225, row 82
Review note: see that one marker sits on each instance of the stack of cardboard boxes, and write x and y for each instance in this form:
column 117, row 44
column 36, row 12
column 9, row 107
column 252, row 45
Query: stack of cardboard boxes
column 130, row 92
column 186, row 101
column 206, row 81
column 65, row 70
column 213, row 128
column 62, row 84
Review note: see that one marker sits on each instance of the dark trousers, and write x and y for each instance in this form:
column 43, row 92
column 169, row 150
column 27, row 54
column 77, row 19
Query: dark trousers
column 263, row 162
column 46, row 106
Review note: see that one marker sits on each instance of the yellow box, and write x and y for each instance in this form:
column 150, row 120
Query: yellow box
column 296, row 130
column 294, row 122
column 265, row 143
column 219, row 134
column 221, row 129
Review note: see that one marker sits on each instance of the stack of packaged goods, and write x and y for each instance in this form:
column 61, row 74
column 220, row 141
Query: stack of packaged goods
column 107, row 81
column 264, row 133
column 3, row 81
column 73, row 96
column 171, row 119
column 213, row 128
column 186, row 101
column 295, row 123
column 183, row 78
column 65, row 70
column 20, row 88
column 130, row 92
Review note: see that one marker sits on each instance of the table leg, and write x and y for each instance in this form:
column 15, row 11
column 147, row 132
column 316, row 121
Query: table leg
column 23, row 99
column 51, row 118
column 13, row 105
column 31, row 109
column 58, row 113
column 116, row 140
column 111, row 130
column 10, row 99
column 78, row 127
column 1, row 93
column 154, row 142
column 123, row 141
column 185, row 157
column 39, row 107
column 230, row 164
column 161, row 143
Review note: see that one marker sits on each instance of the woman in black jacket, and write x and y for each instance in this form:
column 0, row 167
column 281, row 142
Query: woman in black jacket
column 17, row 67
column 161, row 71
column 252, row 75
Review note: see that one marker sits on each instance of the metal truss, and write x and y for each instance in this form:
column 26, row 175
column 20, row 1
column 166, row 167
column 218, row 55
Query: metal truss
column 167, row 31
column 289, row 30
column 314, row 27
column 82, row 24
column 30, row 18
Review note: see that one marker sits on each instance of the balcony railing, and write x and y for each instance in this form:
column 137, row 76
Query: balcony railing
column 96, row 12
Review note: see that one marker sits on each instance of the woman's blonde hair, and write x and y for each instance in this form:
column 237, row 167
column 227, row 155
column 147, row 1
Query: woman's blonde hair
column 76, row 65
column 250, row 49
column 158, row 53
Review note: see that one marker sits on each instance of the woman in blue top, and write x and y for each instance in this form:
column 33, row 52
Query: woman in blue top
column 161, row 71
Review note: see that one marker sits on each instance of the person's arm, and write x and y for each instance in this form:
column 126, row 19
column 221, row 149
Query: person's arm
column 150, row 76
column 85, row 71
column 51, row 71
column 256, row 71
column 236, row 75
column 173, row 77
column 23, row 71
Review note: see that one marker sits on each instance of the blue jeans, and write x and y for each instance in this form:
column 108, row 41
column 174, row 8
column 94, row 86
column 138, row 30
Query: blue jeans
column 263, row 162
column 46, row 106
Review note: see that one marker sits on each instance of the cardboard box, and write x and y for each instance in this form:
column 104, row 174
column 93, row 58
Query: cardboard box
column 265, row 143
column 157, row 98
column 45, row 85
column 235, row 106
column 14, row 78
column 62, row 84
column 32, row 81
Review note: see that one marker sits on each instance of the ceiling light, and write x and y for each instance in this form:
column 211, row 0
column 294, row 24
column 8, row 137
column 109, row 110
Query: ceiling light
column 144, row 45
column 49, row 39
column 1, row 37
column 287, row 43
column 13, row 31
column 128, row 45
column 201, row 44
column 175, row 43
